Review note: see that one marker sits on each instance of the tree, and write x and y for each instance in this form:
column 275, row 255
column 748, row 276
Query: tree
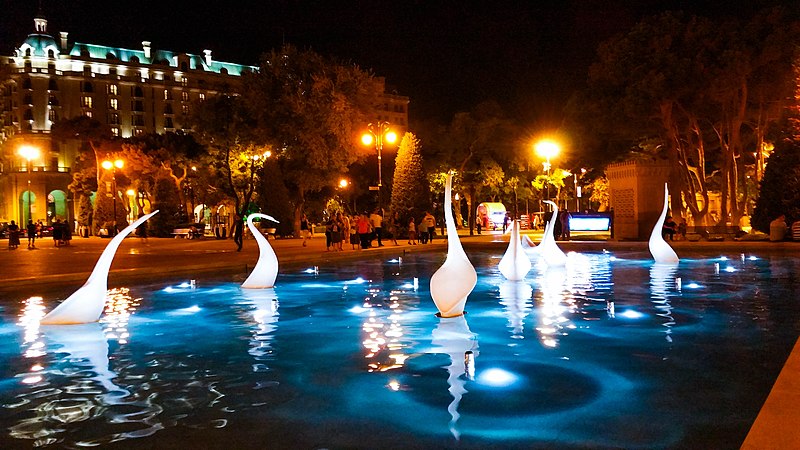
column 166, row 202
column 309, row 109
column 410, row 195
column 234, row 160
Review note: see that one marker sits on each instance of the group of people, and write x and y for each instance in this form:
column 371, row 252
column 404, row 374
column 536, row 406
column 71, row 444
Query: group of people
column 367, row 229
column 671, row 229
column 61, row 233
column 779, row 230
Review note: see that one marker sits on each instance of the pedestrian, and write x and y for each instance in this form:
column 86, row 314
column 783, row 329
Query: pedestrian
column 13, row 236
column 31, row 234
column 412, row 232
column 57, row 233
column 336, row 233
column 364, row 231
column 422, row 231
column 506, row 219
column 669, row 229
column 346, row 226
column 328, row 234
column 305, row 229
column 376, row 221
column 354, row 239
column 66, row 233
column 778, row 228
column 142, row 230
column 394, row 227
column 39, row 228
column 430, row 221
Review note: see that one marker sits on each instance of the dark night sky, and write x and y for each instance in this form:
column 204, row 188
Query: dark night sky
column 446, row 55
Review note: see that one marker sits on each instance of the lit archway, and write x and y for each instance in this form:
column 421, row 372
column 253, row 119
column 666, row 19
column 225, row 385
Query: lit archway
column 57, row 206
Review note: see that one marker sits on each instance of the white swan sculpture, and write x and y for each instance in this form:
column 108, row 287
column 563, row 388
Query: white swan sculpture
column 551, row 253
column 454, row 281
column 453, row 336
column 87, row 303
column 266, row 269
column 515, row 263
column 661, row 251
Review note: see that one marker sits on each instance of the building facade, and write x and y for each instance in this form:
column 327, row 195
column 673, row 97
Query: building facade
column 133, row 91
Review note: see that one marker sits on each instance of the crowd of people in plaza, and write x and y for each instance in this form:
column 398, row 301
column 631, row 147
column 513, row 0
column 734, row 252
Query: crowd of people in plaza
column 60, row 232
column 369, row 229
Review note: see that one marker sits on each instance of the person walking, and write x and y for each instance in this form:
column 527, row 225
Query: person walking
column 13, row 236
column 376, row 221
column 305, row 229
column 363, row 228
column 354, row 239
column 412, row 232
column 394, row 227
column 346, row 226
column 430, row 221
column 422, row 231
column 57, row 233
column 31, row 234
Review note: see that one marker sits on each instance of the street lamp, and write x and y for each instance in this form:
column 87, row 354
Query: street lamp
column 113, row 166
column 547, row 149
column 29, row 153
column 378, row 132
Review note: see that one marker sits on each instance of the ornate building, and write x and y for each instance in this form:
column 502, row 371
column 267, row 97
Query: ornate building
column 134, row 92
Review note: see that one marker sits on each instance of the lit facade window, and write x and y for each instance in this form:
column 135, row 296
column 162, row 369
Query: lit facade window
column 185, row 96
column 86, row 101
column 184, row 81
column 52, row 115
column 113, row 89
column 115, row 131
column 185, row 110
column 167, row 94
column 113, row 103
column 87, row 113
column 113, row 118
column 202, row 96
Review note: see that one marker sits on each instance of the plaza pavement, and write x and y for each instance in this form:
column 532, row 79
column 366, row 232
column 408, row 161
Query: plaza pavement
column 58, row 271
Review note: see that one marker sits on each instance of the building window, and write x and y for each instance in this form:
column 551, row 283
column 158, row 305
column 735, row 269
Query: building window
column 167, row 94
column 185, row 110
column 138, row 132
column 137, row 105
column 137, row 91
column 26, row 83
column 115, row 131
column 137, row 120
column 168, row 109
column 113, row 118
column 113, row 103
column 184, row 80
column 87, row 113
column 87, row 87
column 53, row 115
column 202, row 96
column 168, row 122
column 27, row 99
column 112, row 89
column 185, row 96
column 52, row 85
column 28, row 115
column 52, row 100
column 86, row 101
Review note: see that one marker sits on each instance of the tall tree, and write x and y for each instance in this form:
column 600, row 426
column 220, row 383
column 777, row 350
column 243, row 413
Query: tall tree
column 234, row 160
column 310, row 109
column 410, row 194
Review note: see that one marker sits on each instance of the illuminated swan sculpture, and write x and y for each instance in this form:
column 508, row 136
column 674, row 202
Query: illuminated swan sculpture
column 266, row 270
column 86, row 304
column 659, row 248
column 453, row 336
column 515, row 263
column 548, row 248
column 454, row 281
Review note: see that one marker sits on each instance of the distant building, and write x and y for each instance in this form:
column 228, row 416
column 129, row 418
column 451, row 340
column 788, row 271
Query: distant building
column 134, row 92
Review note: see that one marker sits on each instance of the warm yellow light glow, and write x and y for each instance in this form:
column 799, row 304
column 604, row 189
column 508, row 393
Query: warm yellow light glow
column 130, row 192
column 391, row 137
column 366, row 139
column 107, row 165
column 547, row 149
column 29, row 152
column 343, row 183
column 118, row 163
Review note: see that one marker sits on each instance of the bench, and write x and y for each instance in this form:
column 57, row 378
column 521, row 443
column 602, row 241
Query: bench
column 187, row 233
column 713, row 232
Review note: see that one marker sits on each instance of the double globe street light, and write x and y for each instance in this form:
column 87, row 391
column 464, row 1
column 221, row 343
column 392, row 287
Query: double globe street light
column 378, row 133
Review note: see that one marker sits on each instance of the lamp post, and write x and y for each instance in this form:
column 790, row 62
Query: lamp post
column 547, row 149
column 29, row 153
column 113, row 166
column 378, row 132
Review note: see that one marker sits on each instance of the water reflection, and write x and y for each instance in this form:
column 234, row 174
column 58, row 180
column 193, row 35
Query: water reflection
column 662, row 283
column 453, row 336
column 555, row 305
column 382, row 332
column 516, row 296
column 265, row 317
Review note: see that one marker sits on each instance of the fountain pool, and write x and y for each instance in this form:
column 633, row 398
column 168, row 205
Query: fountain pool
column 606, row 352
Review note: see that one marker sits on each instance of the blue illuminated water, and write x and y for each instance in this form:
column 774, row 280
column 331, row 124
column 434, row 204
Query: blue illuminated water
column 608, row 353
